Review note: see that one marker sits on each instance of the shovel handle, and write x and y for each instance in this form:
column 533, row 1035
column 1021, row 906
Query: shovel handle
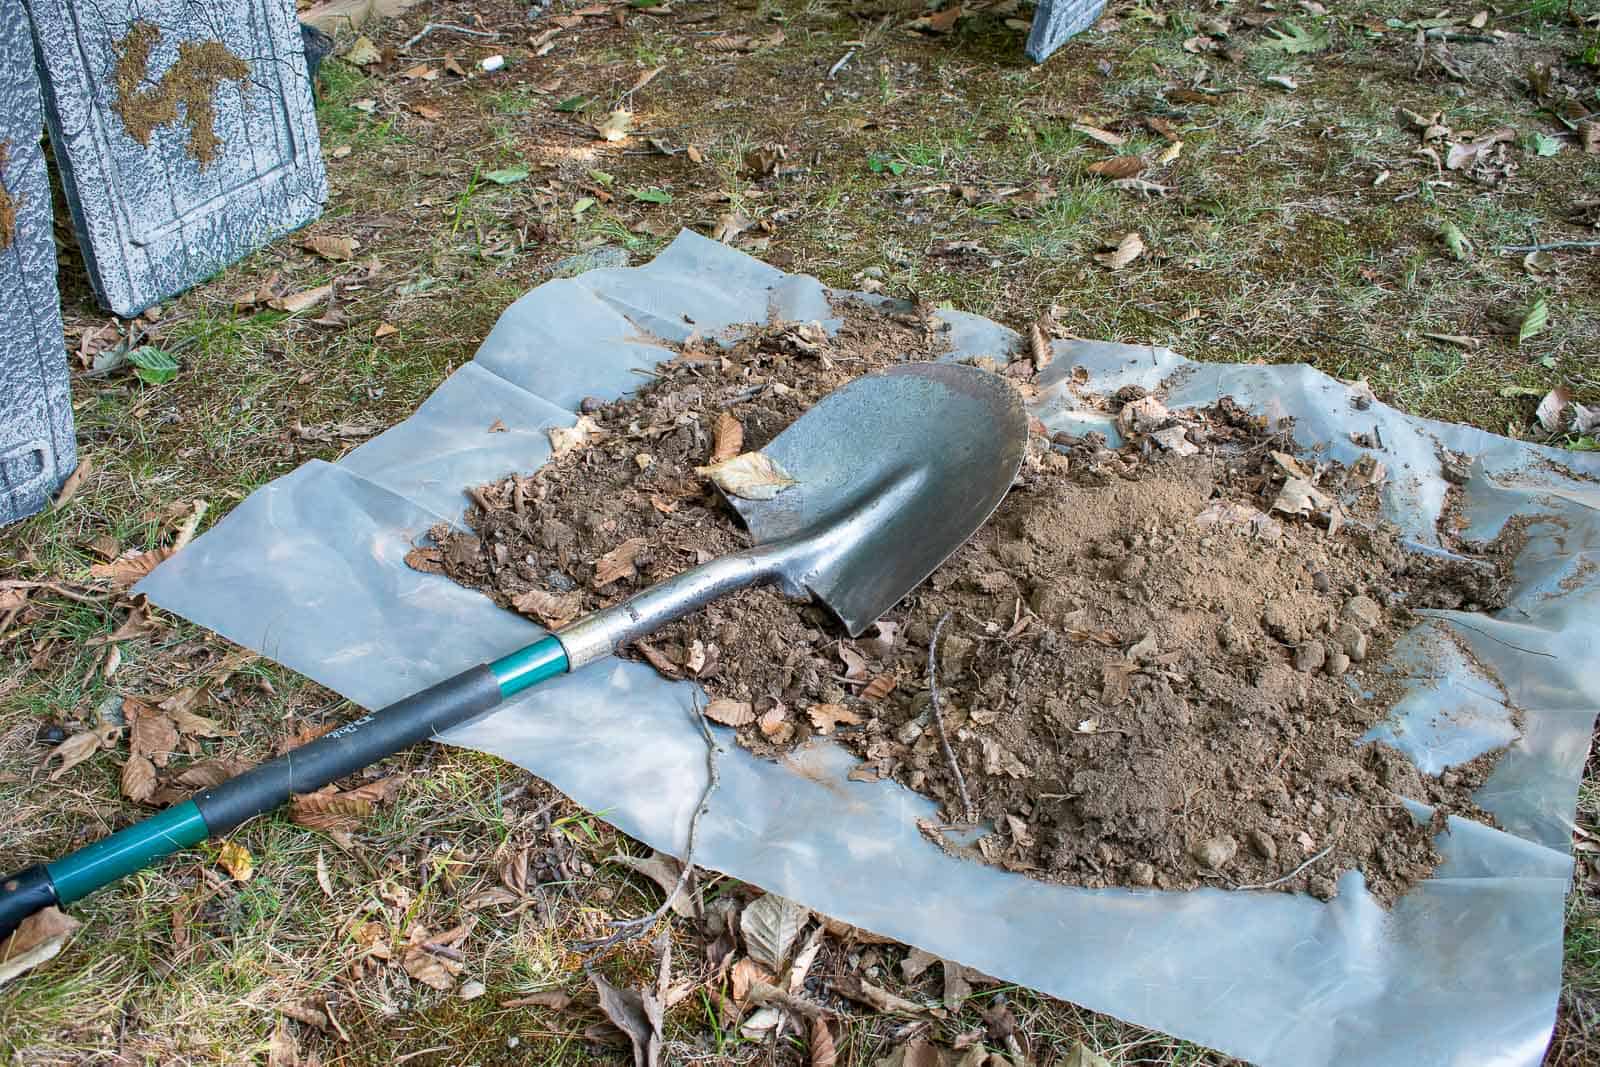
column 220, row 809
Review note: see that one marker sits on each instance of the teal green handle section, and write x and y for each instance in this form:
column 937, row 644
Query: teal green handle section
column 529, row 666
column 80, row 873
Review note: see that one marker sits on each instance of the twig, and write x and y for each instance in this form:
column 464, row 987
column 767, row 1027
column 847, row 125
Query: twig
column 628, row 929
column 938, row 719
column 1548, row 246
column 452, row 27
column 1453, row 621
column 1291, row 874
column 837, row 67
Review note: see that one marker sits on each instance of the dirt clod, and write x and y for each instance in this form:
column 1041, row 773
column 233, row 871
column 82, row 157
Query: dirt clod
column 1140, row 671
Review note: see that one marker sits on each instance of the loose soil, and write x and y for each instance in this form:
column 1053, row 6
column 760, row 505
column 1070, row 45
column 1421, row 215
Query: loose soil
column 1146, row 681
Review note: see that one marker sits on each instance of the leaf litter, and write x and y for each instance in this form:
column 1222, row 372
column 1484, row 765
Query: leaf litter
column 1142, row 590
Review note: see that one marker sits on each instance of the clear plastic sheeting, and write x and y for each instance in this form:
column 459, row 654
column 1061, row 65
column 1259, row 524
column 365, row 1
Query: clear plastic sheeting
column 1464, row 969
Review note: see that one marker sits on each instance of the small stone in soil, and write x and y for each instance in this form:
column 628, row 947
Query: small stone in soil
column 1215, row 852
column 1264, row 845
column 1310, row 656
column 1337, row 663
column 1363, row 611
column 1141, row 874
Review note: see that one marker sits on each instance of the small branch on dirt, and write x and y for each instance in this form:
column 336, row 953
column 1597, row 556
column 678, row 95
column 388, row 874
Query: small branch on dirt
column 1291, row 874
column 1548, row 246
column 628, row 929
column 837, row 67
column 476, row 493
column 452, row 27
column 938, row 720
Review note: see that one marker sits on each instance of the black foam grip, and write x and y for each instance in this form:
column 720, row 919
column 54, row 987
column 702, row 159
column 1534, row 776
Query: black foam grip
column 349, row 748
column 22, row 894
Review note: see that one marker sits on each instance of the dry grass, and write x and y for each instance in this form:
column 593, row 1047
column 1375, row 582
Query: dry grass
column 1276, row 244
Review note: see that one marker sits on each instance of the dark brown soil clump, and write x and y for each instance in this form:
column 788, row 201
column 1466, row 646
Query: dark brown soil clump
column 1145, row 679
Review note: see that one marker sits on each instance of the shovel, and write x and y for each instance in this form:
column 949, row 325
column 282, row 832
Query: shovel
column 892, row 473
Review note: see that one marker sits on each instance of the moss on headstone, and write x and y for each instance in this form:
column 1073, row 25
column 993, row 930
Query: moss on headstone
column 8, row 206
column 192, row 81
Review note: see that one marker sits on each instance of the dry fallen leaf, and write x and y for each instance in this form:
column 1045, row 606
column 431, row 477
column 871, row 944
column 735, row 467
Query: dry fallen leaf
column 301, row 301
column 729, row 438
column 1144, row 415
column 751, row 475
column 385, row 329
column 1129, row 247
column 420, row 72
column 126, row 570
column 36, row 939
column 554, row 610
column 339, row 249
column 879, row 687
column 865, row 992
column 432, row 114
column 1117, row 167
column 637, row 1014
column 827, row 716
column 1551, row 407
column 564, row 439
column 730, row 712
column 1105, row 137
column 69, row 488
column 618, row 563
column 151, row 733
column 77, row 748
column 138, row 779
column 775, row 725
column 770, row 925
column 425, row 559
column 554, row 999
column 664, row 871
column 1300, row 497
column 616, row 125
column 236, row 860
column 332, row 810
column 730, row 226
column 823, row 1052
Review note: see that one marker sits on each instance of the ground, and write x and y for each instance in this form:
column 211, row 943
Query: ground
column 1297, row 222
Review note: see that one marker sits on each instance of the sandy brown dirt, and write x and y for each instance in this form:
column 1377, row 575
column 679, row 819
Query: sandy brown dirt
column 1144, row 679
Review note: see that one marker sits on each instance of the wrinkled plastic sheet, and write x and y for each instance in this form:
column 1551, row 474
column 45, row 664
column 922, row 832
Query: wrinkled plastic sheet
column 1466, row 968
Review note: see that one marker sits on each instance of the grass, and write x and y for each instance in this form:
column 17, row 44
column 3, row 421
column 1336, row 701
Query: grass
column 1276, row 242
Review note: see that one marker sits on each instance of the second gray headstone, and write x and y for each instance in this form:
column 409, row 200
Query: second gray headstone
column 1054, row 21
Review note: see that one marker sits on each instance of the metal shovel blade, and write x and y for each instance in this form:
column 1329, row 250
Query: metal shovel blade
column 894, row 472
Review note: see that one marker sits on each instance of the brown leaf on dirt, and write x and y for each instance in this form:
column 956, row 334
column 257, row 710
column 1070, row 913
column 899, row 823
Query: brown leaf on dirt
column 139, row 623
column 151, row 733
column 823, row 1051
column 431, row 969
column 750, row 476
column 37, row 939
column 657, row 659
column 69, row 488
column 855, row 664
column 1117, row 167
column 616, row 125
column 730, row 712
column 432, row 114
column 338, row 249
column 193, row 725
column 427, row 560
column 335, row 431
column 731, row 225
column 1095, row 133
column 305, row 1013
column 637, row 1014
column 827, row 716
column 554, row 610
column 770, row 925
column 864, row 992
column 1129, row 247
column 236, row 860
column 1550, row 408
column 420, row 72
column 301, row 301
column 743, row 975
column 879, row 687
column 554, row 999
column 775, row 726
column 581, row 434
column 618, row 563
column 77, row 748
column 138, row 779
column 126, row 570
column 1300, row 497
column 385, row 329
column 212, row 772
column 729, row 437
column 332, row 810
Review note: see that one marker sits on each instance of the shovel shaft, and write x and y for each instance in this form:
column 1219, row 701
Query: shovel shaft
column 218, row 810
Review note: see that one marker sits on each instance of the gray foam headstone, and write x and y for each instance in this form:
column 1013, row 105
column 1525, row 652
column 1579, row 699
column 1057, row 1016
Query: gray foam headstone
column 184, row 133
column 37, row 446
column 1056, row 20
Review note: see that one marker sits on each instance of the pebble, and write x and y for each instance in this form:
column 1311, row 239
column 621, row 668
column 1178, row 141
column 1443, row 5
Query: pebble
column 1310, row 657
column 1323, row 887
column 50, row 734
column 909, row 732
column 1337, row 663
column 590, row 404
column 1215, row 852
column 1352, row 640
column 1141, row 874
column 1363, row 611
column 1280, row 622
column 1321, row 582
column 1264, row 845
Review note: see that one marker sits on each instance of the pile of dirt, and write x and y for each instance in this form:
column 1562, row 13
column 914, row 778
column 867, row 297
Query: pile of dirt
column 1148, row 673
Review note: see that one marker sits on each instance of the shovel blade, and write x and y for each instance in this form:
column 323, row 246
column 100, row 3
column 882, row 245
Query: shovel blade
column 894, row 472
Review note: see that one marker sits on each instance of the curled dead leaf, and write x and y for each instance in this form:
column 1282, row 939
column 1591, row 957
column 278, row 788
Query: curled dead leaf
column 730, row 712
column 37, row 939
column 729, row 438
column 74, row 750
column 1129, row 248
column 618, row 563
column 1094, row 133
column 138, row 779
column 879, row 687
column 1117, row 167
column 338, row 249
column 301, row 301
column 236, row 860
column 1550, row 408
column 581, row 434
column 126, row 570
column 825, row 717
column 332, row 810
column 552, row 609
column 751, row 475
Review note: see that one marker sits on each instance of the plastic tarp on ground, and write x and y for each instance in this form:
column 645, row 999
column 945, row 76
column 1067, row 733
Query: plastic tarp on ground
column 1466, row 968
